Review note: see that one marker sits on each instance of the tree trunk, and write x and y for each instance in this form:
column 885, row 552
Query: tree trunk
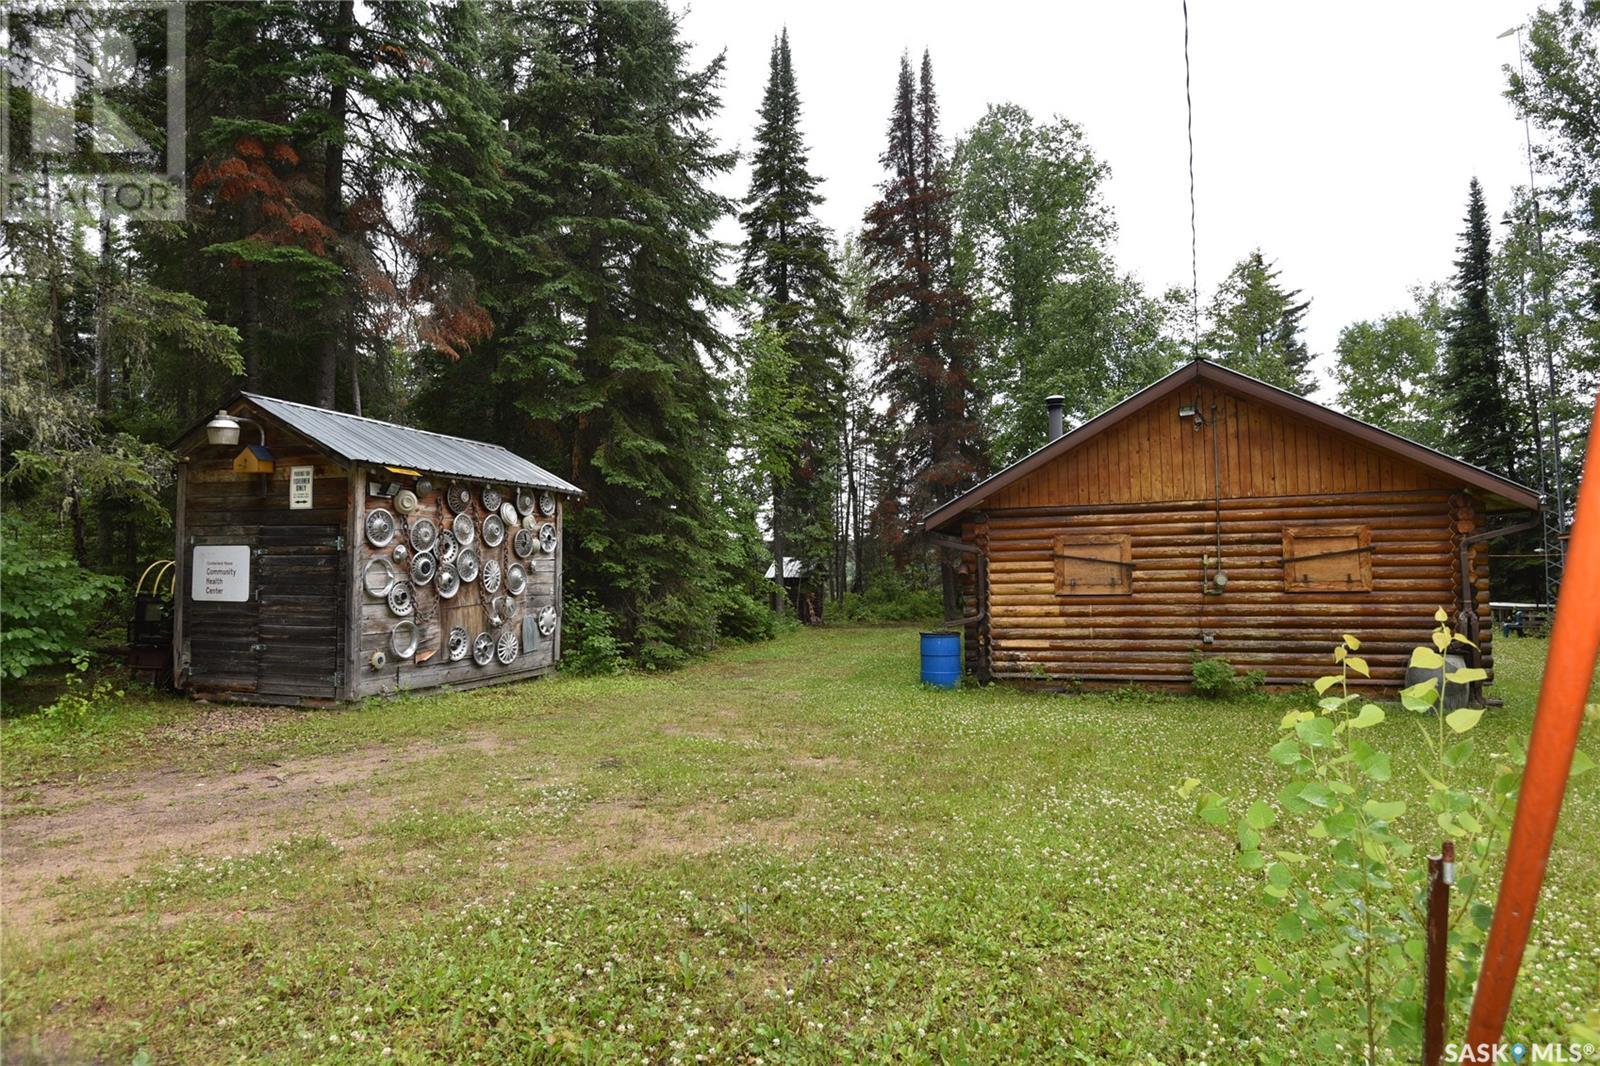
column 354, row 354
column 777, row 549
column 337, row 309
column 104, row 518
column 328, row 369
column 102, row 319
column 857, row 506
column 250, row 324
column 80, row 547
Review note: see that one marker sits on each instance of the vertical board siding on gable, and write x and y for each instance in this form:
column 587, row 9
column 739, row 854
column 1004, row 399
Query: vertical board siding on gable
column 1154, row 455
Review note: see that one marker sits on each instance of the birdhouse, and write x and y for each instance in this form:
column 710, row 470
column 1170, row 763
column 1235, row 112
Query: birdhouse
column 255, row 459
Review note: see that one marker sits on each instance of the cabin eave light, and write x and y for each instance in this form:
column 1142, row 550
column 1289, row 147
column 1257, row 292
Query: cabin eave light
column 223, row 429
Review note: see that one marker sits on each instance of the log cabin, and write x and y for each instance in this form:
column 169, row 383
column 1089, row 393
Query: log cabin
column 331, row 557
column 1212, row 514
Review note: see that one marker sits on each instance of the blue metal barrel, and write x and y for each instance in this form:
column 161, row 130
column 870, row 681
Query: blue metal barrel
column 941, row 659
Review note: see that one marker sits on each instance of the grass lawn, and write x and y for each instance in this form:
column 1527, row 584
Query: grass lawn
column 789, row 852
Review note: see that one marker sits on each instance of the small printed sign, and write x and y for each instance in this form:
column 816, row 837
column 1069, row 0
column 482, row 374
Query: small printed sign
column 300, row 481
column 221, row 573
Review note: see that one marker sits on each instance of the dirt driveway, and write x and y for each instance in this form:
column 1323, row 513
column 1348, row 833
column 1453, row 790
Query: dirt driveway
column 109, row 828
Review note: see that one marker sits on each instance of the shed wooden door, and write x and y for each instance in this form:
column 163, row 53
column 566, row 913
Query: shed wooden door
column 221, row 636
column 300, row 630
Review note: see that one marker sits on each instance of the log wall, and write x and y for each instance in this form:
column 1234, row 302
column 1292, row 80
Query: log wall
column 1151, row 634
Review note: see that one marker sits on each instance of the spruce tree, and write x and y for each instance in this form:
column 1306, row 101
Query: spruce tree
column 1481, row 417
column 600, row 271
column 932, row 446
column 254, row 189
column 1256, row 326
column 787, row 269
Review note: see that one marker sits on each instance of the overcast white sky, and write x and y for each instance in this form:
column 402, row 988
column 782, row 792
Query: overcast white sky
column 1338, row 137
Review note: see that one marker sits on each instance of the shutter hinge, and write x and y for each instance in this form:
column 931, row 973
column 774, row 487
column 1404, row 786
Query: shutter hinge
column 338, row 542
column 258, row 647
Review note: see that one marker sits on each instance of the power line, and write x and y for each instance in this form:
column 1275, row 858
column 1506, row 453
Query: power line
column 1194, row 236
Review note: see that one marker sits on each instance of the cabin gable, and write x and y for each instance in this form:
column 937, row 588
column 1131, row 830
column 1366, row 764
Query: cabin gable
column 1155, row 456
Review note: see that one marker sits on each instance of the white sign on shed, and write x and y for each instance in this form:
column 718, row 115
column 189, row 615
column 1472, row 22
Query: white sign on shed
column 221, row 573
column 301, row 479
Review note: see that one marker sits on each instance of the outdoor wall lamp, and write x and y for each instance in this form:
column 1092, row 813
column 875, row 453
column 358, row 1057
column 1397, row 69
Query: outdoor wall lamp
column 224, row 429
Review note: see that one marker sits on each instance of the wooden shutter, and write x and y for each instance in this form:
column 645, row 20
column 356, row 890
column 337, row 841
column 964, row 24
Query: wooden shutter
column 1327, row 559
column 1094, row 564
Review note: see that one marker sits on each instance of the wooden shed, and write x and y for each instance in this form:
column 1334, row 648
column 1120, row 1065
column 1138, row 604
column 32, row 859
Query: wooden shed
column 323, row 556
column 1214, row 514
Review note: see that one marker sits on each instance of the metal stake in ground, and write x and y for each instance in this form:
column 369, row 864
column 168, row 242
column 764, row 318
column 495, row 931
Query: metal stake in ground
column 1441, row 875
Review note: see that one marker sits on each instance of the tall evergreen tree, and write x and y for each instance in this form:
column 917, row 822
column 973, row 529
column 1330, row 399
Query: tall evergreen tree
column 1481, row 416
column 600, row 271
column 787, row 269
column 932, row 445
column 258, row 195
column 1255, row 326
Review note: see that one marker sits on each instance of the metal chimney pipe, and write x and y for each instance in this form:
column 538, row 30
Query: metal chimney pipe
column 1055, row 405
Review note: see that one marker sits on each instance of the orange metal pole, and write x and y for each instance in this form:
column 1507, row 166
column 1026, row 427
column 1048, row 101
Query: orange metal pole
column 1568, row 673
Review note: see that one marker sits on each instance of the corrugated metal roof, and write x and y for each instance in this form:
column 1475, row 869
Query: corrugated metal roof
column 367, row 440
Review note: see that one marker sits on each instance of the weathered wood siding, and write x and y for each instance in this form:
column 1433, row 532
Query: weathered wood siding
column 286, row 641
column 308, row 630
column 1152, row 479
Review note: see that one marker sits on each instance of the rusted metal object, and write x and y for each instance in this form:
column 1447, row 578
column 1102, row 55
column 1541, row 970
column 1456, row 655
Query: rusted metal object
column 1441, row 875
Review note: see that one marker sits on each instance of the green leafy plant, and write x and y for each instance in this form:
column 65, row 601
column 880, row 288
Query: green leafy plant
column 80, row 698
column 1216, row 678
column 743, row 617
column 589, row 642
column 891, row 596
column 47, row 602
column 1355, row 900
